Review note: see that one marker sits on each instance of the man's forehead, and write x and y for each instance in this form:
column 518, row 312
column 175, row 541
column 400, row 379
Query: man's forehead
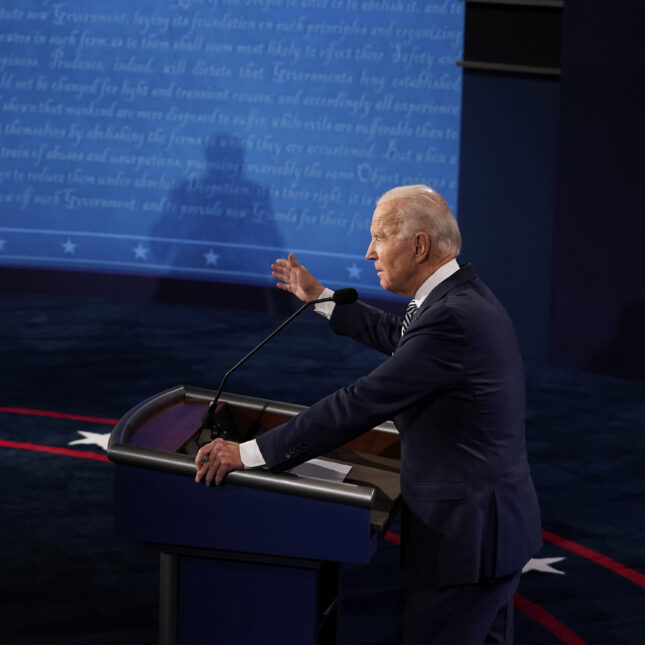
column 383, row 219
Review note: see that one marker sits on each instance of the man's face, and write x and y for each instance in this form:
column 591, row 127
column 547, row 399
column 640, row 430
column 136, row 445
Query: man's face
column 393, row 258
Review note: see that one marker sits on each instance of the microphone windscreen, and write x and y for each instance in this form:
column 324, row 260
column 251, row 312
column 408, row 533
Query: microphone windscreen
column 345, row 296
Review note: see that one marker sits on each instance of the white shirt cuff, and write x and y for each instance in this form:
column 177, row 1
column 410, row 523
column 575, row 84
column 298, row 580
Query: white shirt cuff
column 250, row 454
column 325, row 309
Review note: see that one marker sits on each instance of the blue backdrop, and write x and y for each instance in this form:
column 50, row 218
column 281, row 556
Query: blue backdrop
column 201, row 138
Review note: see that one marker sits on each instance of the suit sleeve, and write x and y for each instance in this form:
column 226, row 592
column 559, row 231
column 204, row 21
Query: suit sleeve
column 367, row 325
column 429, row 359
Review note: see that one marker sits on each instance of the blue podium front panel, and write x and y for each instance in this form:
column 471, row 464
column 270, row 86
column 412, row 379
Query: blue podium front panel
column 167, row 508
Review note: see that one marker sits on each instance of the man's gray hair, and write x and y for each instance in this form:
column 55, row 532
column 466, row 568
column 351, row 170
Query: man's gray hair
column 419, row 208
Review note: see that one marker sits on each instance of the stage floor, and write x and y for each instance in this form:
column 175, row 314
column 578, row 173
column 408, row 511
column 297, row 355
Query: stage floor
column 72, row 366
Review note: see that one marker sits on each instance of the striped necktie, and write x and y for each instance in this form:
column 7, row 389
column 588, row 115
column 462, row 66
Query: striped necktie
column 409, row 314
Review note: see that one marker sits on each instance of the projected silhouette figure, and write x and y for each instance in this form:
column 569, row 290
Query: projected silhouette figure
column 221, row 207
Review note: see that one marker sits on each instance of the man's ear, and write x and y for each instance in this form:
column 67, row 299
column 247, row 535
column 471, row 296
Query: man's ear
column 422, row 246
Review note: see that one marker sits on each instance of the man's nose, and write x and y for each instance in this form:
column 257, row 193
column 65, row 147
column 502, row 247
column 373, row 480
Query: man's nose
column 370, row 254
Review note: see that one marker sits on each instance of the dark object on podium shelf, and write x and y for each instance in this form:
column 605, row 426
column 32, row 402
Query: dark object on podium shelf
column 220, row 425
column 274, row 539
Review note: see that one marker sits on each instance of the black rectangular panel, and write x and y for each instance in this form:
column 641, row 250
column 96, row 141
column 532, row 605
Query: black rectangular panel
column 522, row 34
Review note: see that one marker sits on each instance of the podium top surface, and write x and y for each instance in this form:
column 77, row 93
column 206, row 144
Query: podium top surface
column 152, row 435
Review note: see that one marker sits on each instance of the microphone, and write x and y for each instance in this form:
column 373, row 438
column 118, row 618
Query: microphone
column 339, row 297
column 343, row 297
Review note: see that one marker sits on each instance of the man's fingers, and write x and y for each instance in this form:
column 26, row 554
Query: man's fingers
column 202, row 469
column 201, row 458
column 212, row 471
column 221, row 458
column 205, row 457
column 280, row 275
column 202, row 453
column 202, row 472
column 222, row 471
column 281, row 265
column 281, row 272
column 289, row 273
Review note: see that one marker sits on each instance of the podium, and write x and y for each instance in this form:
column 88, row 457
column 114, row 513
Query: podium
column 256, row 560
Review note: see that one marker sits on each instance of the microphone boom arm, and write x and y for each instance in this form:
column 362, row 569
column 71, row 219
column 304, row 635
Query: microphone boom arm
column 206, row 421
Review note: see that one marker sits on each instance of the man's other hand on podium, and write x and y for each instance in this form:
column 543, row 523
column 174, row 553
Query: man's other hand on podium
column 216, row 459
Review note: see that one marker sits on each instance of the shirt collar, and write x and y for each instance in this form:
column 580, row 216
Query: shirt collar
column 441, row 274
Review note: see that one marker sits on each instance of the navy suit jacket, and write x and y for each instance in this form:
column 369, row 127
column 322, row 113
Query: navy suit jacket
column 454, row 387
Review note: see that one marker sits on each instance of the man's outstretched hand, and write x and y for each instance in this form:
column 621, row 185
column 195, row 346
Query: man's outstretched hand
column 295, row 278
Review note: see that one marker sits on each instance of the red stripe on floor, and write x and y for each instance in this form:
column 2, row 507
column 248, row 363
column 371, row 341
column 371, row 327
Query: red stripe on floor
column 392, row 537
column 548, row 621
column 81, row 454
column 594, row 556
column 59, row 415
column 578, row 549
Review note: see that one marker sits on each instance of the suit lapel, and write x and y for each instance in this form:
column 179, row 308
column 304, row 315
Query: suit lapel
column 465, row 274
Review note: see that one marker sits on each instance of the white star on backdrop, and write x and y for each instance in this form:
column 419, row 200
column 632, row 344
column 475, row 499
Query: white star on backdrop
column 210, row 257
column 2, row 243
column 543, row 565
column 354, row 271
column 140, row 252
column 69, row 248
column 91, row 439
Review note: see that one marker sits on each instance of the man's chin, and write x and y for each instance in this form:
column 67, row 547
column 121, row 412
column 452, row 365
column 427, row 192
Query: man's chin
column 387, row 285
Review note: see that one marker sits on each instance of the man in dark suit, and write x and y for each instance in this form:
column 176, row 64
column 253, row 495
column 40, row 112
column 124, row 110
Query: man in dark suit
column 453, row 383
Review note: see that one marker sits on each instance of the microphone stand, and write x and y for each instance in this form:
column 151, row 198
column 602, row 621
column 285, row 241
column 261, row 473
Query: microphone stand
column 207, row 419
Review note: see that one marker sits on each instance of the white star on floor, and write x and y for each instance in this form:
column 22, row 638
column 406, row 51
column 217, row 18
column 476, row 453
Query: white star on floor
column 2, row 243
column 210, row 257
column 69, row 248
column 543, row 565
column 354, row 271
column 140, row 252
column 92, row 439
